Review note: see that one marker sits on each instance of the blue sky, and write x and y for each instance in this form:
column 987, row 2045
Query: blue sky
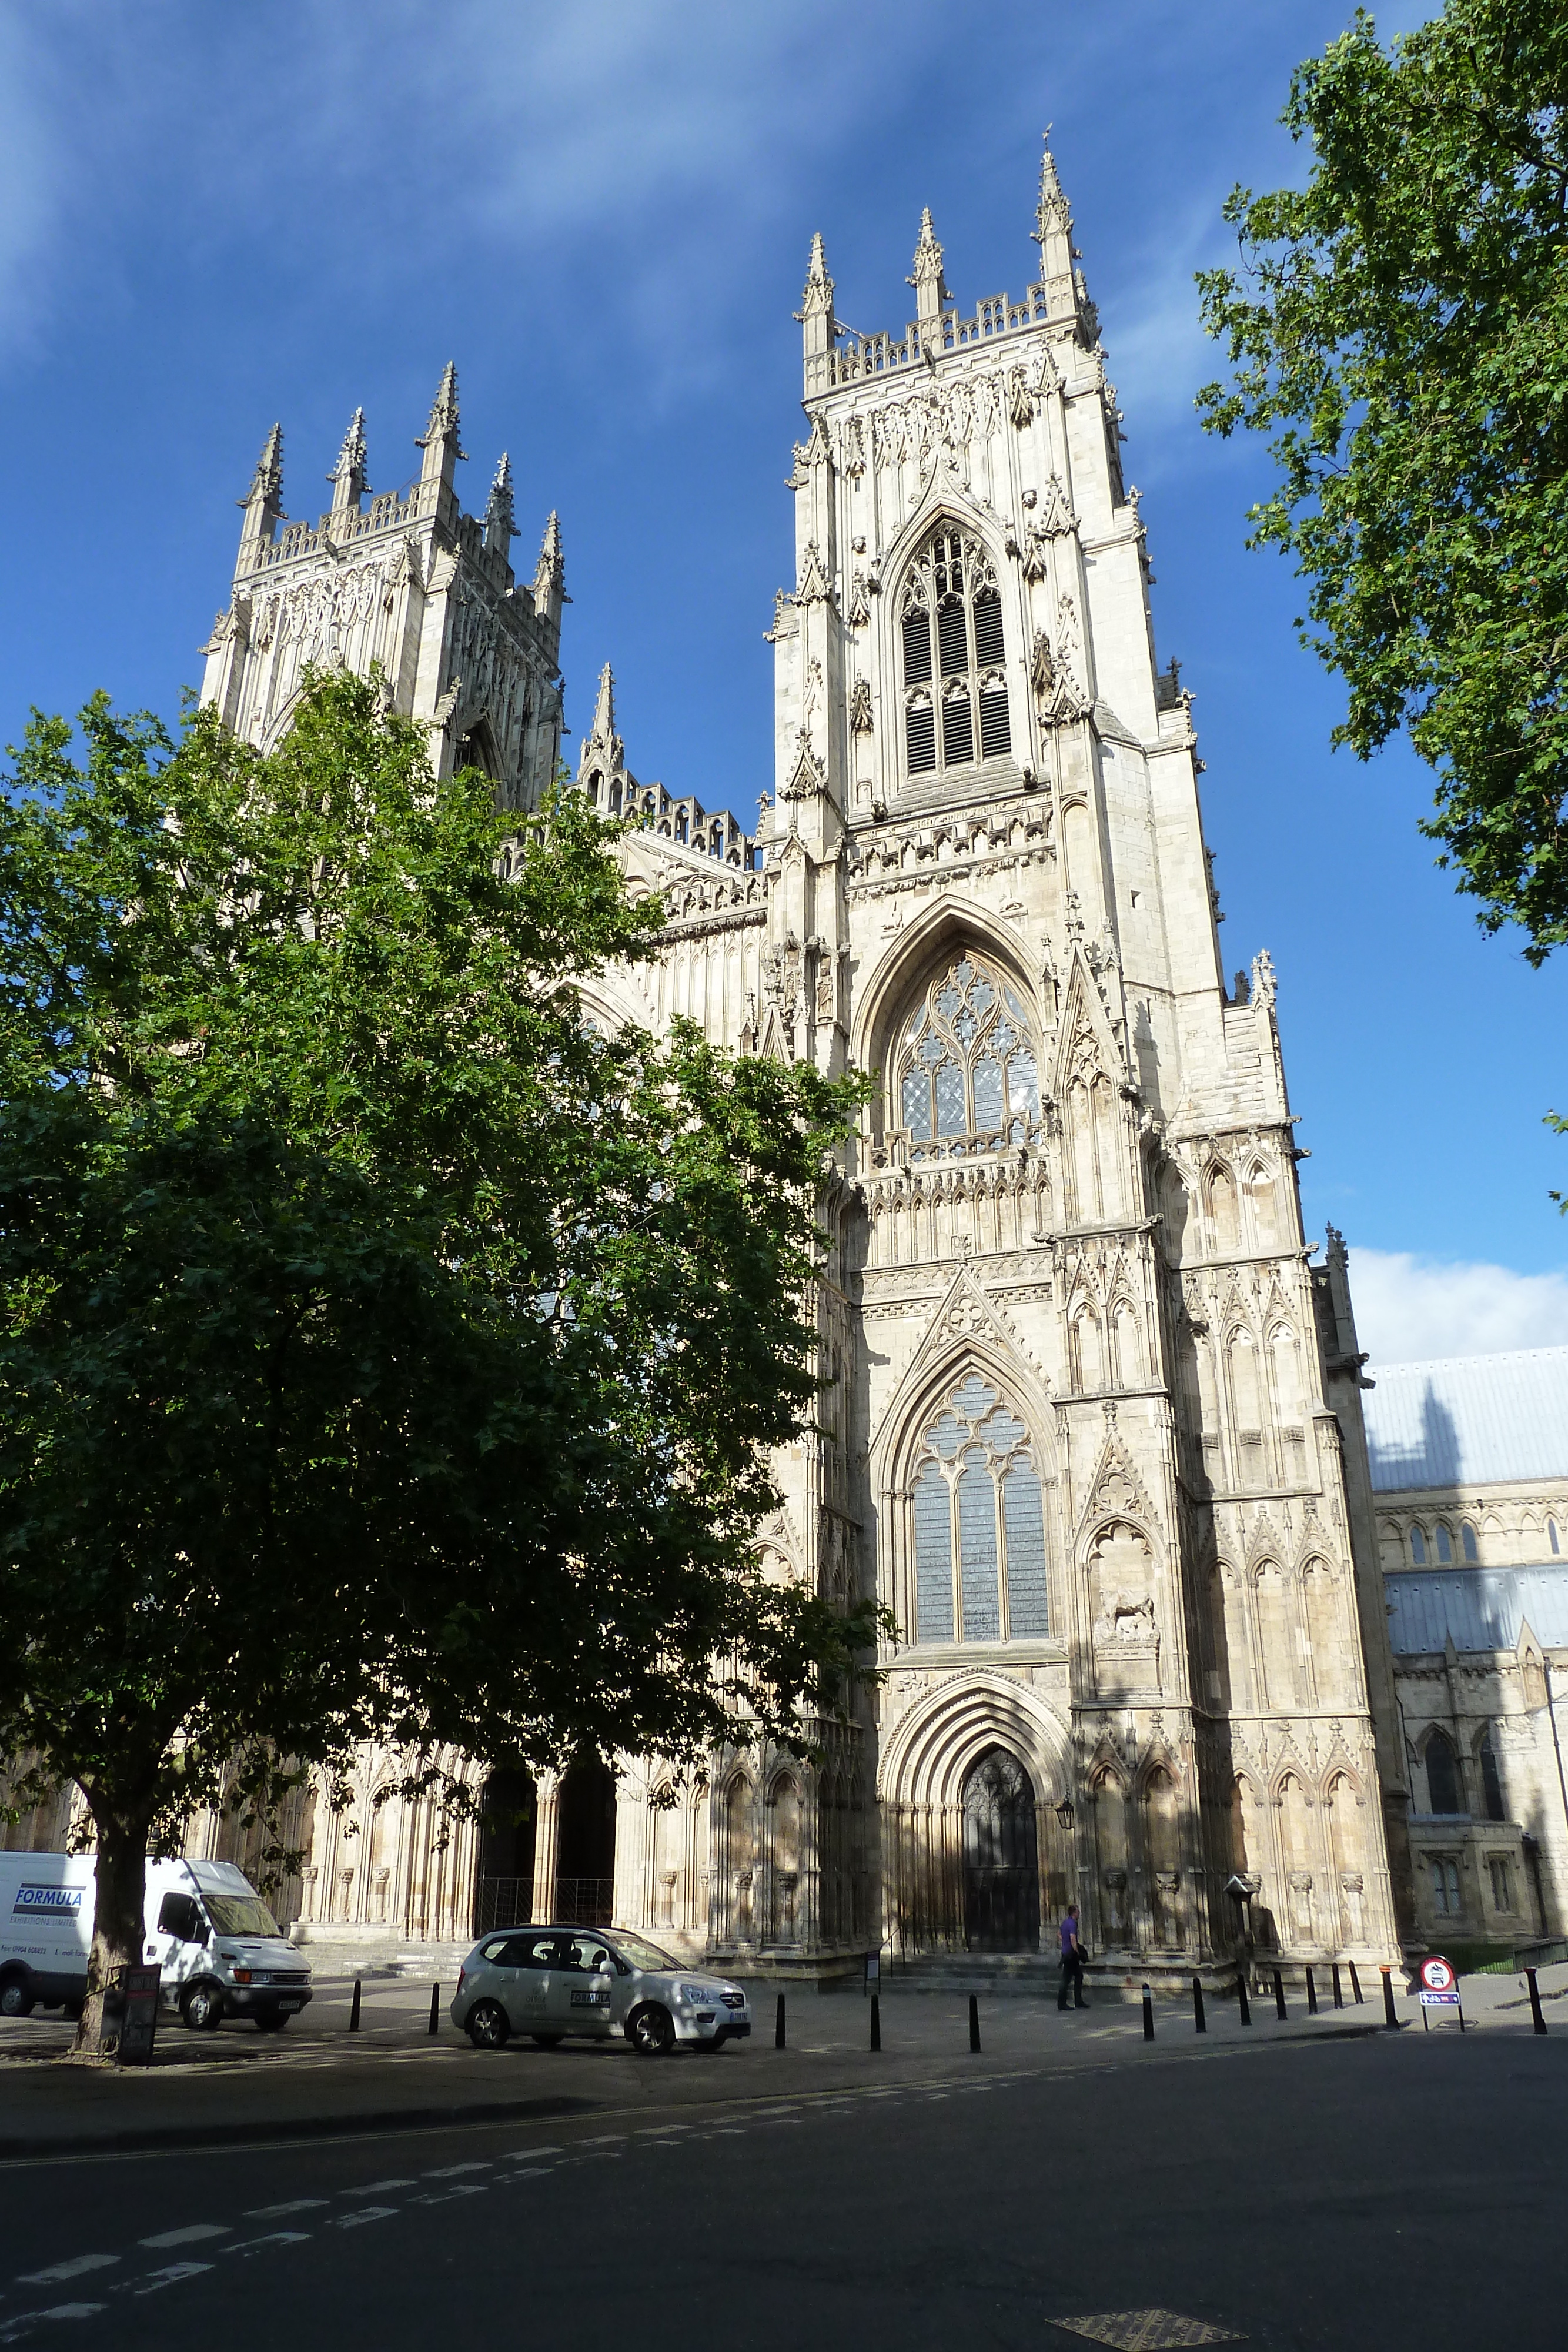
column 210, row 217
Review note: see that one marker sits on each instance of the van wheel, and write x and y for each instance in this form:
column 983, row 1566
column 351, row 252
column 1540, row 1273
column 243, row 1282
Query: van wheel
column 203, row 2008
column 651, row 2031
column 487, row 2025
column 271, row 2021
column 15, row 1998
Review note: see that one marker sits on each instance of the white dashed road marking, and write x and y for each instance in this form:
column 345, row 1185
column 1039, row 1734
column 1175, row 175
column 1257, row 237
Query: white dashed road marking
column 375, row 2188
column 272, row 2237
column 366, row 2213
column 156, row 2279
column 195, row 2230
column 450, row 2171
column 58, row 2272
column 261, row 2213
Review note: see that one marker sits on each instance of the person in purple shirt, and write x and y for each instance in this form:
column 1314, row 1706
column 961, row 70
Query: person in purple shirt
column 1071, row 1961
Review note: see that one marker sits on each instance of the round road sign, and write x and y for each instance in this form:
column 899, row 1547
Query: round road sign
column 1436, row 1975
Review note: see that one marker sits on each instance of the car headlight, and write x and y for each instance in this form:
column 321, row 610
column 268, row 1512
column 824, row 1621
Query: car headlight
column 697, row 1995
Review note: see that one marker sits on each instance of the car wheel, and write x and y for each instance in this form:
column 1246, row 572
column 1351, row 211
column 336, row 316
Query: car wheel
column 15, row 1998
column 487, row 2025
column 203, row 2008
column 651, row 2031
column 549, row 2041
column 271, row 2021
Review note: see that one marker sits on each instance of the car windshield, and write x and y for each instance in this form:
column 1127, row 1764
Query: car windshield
column 241, row 1915
column 641, row 1954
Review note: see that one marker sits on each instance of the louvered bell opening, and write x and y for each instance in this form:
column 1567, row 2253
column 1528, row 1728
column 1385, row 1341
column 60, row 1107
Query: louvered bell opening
column 958, row 729
column 996, row 734
column 989, row 645
column 916, row 648
column 952, row 642
column 920, row 735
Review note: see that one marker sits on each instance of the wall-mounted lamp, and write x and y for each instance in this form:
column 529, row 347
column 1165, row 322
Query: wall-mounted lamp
column 1063, row 1812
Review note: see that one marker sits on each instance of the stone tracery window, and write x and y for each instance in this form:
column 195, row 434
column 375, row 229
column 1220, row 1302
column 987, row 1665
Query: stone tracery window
column 950, row 618
column 980, row 1524
column 965, row 1064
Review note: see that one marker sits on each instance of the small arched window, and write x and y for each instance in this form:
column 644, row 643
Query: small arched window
column 615, row 798
column 980, row 1525
column 1468, row 1541
column 950, row 621
column 966, row 1064
column 1445, row 1545
column 1491, row 1781
column 1552, row 1533
column 1418, row 1547
column 1443, row 1775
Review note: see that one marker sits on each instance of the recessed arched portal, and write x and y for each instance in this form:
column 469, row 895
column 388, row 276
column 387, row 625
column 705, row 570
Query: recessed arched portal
column 585, row 1844
column 1001, row 1860
column 504, row 1887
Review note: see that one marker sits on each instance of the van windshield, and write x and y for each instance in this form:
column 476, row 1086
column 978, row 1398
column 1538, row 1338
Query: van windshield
column 241, row 1915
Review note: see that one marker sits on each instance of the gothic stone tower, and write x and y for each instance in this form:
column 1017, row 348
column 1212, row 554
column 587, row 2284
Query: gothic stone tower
column 409, row 581
column 1081, row 1448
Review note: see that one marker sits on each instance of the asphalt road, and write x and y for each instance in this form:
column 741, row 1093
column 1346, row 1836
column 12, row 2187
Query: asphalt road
column 1390, row 2192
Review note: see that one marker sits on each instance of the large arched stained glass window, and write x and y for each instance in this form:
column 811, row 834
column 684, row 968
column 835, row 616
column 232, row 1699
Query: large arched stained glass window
column 955, row 682
column 966, row 1064
column 980, row 1525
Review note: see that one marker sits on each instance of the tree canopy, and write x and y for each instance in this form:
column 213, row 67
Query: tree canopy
column 1398, row 327
column 387, row 1348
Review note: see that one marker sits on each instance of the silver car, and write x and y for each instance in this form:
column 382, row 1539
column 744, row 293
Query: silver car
column 547, row 1982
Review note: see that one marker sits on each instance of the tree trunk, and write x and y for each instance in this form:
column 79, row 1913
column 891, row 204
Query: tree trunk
column 117, row 1924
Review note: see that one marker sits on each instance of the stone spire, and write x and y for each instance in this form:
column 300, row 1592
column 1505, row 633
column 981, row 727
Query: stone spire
column 500, row 522
column 348, row 476
column 816, row 312
column 930, row 286
column 604, row 707
column 602, row 754
column 549, row 578
column 1066, row 294
column 439, row 439
column 262, row 502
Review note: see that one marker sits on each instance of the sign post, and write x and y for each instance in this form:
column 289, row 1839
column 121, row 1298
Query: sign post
column 139, row 2018
column 1439, row 1990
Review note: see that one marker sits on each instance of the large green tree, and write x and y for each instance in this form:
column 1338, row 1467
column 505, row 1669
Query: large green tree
column 1398, row 327
column 387, row 1351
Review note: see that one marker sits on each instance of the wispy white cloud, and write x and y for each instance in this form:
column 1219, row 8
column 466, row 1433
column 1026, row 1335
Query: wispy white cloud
column 1410, row 1308
column 32, row 172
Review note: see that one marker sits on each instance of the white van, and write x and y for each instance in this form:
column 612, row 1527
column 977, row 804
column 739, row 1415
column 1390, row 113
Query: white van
column 220, row 1951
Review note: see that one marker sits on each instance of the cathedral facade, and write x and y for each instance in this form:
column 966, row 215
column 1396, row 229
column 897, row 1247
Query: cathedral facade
column 1090, row 1424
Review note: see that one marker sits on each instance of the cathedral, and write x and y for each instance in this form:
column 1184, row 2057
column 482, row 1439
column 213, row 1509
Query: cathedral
column 1091, row 1423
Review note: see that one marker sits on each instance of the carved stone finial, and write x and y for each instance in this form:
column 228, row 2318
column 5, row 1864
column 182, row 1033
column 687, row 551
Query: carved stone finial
column 500, row 521
column 551, row 568
column 604, row 707
column 818, row 299
column 348, row 476
column 930, row 286
column 267, row 482
column 1265, row 986
column 443, row 424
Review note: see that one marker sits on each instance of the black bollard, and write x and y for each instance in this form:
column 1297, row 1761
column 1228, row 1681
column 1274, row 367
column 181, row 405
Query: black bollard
column 876, row 2022
column 1537, row 2020
column 1355, row 1988
column 1245, row 2005
column 1338, row 1995
column 1311, row 1994
column 1148, row 2014
column 435, row 2008
column 1279, row 1994
column 1390, row 2014
column 974, row 2021
column 354, row 2009
column 778, row 2024
column 1199, row 2022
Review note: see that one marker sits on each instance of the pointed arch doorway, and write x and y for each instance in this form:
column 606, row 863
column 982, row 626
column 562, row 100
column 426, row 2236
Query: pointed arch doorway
column 1001, row 1856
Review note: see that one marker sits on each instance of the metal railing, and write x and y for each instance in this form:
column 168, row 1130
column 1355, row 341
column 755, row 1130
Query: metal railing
column 574, row 1902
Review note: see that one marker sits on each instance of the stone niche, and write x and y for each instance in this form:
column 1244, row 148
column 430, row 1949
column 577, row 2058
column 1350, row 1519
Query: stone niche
column 1125, row 1633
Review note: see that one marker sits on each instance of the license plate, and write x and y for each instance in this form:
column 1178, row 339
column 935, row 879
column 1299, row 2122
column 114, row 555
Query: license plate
column 291, row 2001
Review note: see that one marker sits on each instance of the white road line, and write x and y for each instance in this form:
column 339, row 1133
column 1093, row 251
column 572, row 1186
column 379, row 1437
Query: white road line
column 169, row 2277
column 12, row 2328
column 272, row 2237
column 531, row 2172
column 375, row 2188
column 520, row 2155
column 259, row 2213
column 58, row 2272
column 366, row 2213
column 458, row 2188
column 195, row 2230
column 450, row 2171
